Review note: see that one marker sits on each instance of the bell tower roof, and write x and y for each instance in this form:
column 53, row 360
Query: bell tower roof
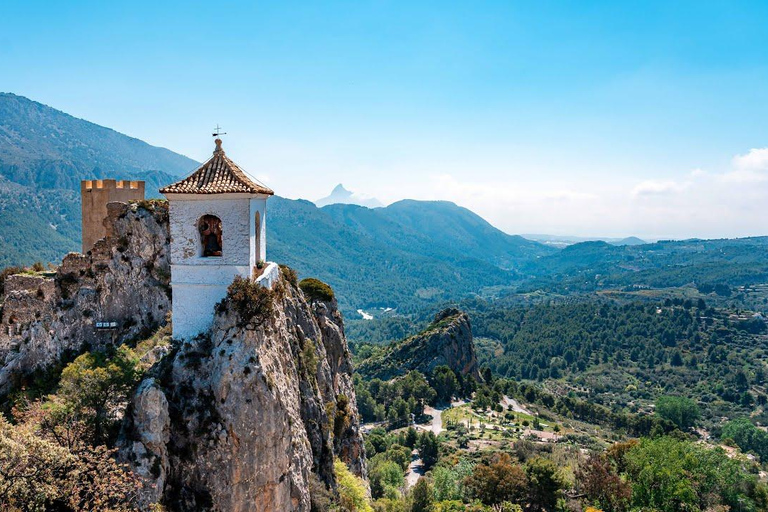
column 219, row 175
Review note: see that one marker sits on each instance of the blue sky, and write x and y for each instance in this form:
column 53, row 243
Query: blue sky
column 585, row 118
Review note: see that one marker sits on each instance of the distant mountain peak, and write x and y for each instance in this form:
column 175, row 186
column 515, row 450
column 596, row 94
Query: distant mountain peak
column 630, row 240
column 340, row 195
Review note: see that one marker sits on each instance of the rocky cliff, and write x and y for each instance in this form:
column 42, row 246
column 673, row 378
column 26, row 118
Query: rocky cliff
column 240, row 418
column 123, row 281
column 249, row 416
column 447, row 341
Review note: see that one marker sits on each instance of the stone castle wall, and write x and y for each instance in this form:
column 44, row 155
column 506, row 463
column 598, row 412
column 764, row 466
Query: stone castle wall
column 95, row 195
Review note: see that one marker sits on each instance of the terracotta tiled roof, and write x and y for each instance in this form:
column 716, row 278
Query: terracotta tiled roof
column 219, row 175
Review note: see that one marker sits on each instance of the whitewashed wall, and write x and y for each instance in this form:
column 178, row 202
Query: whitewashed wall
column 200, row 282
column 259, row 244
column 235, row 231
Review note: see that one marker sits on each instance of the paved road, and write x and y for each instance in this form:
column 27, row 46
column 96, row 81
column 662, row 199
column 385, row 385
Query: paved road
column 416, row 467
column 415, row 470
column 437, row 419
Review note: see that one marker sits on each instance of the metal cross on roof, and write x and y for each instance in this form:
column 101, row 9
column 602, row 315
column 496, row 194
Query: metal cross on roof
column 218, row 131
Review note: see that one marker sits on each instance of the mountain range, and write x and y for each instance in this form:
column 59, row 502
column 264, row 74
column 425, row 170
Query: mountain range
column 405, row 256
column 42, row 147
column 396, row 256
column 561, row 241
column 44, row 153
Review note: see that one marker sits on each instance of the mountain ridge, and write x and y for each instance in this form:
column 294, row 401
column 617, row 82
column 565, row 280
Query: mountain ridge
column 44, row 153
column 42, row 147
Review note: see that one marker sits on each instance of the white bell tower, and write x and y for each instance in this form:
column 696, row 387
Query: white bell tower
column 218, row 231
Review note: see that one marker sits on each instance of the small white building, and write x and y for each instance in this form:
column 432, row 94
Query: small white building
column 218, row 231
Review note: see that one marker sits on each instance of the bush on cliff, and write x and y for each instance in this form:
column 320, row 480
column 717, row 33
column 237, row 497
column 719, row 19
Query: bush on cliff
column 289, row 275
column 316, row 289
column 253, row 302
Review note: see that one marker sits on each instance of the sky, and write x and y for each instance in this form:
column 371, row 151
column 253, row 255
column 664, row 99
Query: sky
column 570, row 118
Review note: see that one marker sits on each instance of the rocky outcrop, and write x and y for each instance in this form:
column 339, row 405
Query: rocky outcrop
column 447, row 341
column 124, row 279
column 239, row 418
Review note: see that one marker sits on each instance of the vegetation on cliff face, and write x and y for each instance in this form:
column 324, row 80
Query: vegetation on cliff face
column 254, row 303
column 315, row 289
column 51, row 316
column 284, row 368
column 57, row 451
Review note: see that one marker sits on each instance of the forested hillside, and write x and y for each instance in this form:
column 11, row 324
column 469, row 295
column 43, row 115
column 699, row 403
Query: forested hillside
column 598, row 265
column 373, row 261
column 627, row 355
column 44, row 153
column 584, row 404
column 441, row 229
column 37, row 225
column 42, row 147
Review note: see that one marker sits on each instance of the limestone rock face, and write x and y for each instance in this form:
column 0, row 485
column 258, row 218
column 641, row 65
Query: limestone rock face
column 447, row 341
column 252, row 410
column 123, row 279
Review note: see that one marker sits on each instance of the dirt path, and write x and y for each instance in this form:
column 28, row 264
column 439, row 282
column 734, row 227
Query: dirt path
column 513, row 404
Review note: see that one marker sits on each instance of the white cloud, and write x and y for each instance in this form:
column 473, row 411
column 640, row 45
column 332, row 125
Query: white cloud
column 698, row 173
column 748, row 168
column 696, row 203
column 702, row 202
column 658, row 188
column 755, row 160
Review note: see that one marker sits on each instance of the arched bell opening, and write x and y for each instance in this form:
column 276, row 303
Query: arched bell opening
column 209, row 227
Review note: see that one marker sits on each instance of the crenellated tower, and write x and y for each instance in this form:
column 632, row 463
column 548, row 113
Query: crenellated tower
column 95, row 194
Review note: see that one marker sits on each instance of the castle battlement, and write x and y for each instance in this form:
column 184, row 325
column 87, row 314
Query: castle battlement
column 110, row 185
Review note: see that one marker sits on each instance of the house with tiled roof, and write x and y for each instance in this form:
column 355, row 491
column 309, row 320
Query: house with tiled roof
column 218, row 231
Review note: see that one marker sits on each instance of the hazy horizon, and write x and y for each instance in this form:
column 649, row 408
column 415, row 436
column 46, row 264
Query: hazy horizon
column 644, row 120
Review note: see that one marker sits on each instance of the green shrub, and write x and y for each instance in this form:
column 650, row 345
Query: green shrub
column 289, row 275
column 342, row 418
column 316, row 289
column 681, row 411
column 253, row 302
column 352, row 491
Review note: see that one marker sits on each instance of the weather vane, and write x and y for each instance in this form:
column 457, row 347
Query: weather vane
column 218, row 131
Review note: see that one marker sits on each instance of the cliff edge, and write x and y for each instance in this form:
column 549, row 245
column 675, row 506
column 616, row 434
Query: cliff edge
column 249, row 416
column 241, row 418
